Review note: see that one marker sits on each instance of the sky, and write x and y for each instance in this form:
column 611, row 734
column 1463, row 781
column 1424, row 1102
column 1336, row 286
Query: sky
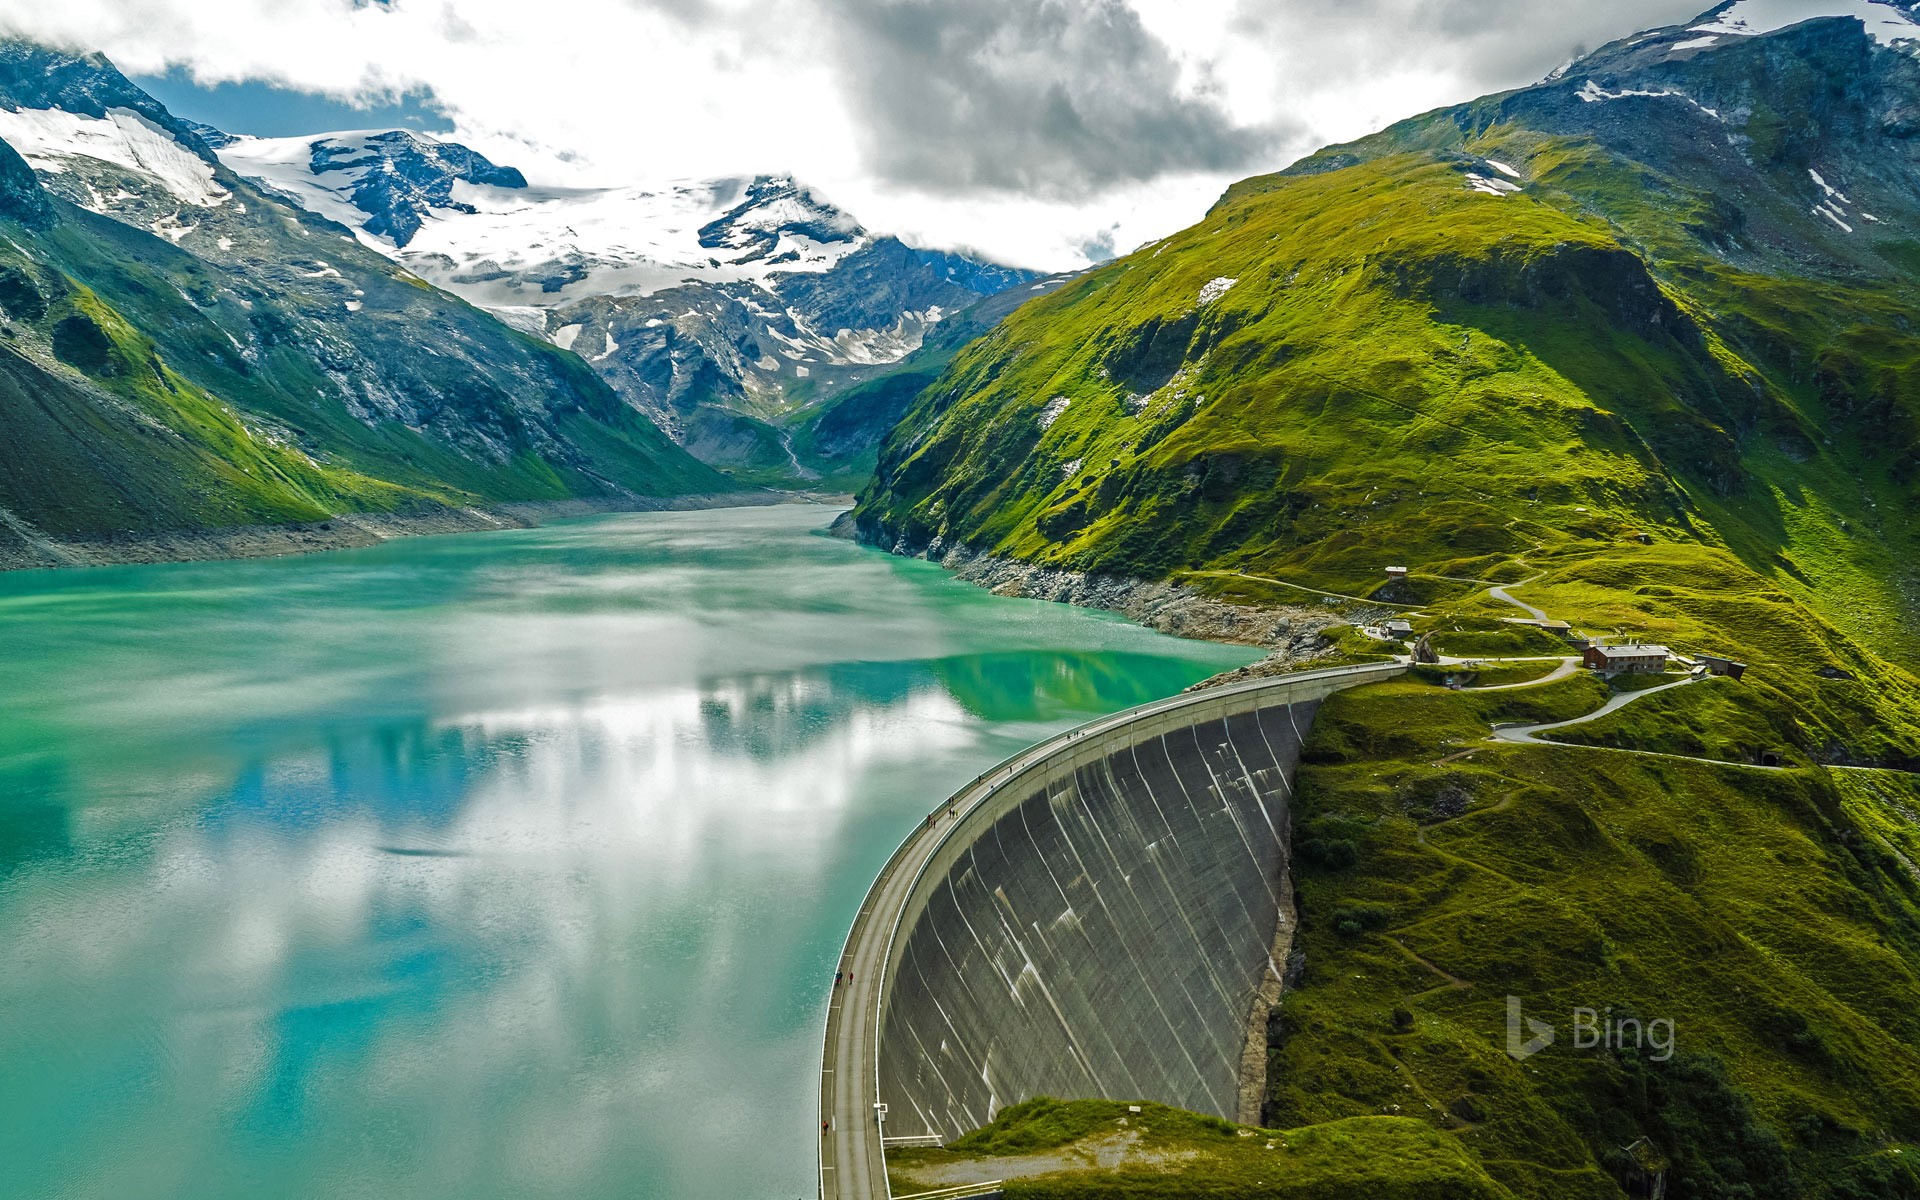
column 1045, row 133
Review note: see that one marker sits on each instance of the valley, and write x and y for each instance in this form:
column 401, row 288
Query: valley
column 1458, row 593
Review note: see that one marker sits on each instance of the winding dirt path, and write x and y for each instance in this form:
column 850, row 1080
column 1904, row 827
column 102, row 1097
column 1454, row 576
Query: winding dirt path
column 1528, row 735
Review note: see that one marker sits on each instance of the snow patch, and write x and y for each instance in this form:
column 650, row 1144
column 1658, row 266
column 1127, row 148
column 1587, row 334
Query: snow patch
column 613, row 348
column 1699, row 43
column 1830, row 215
column 1487, row 185
column 1832, row 192
column 1884, row 23
column 172, row 228
column 1215, row 289
column 1503, row 168
column 526, row 318
column 1055, row 409
column 354, row 306
column 564, row 336
column 876, row 347
column 1593, row 93
column 50, row 139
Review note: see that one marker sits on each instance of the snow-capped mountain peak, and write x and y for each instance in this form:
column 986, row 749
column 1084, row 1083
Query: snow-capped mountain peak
column 480, row 229
column 699, row 300
column 387, row 182
column 774, row 210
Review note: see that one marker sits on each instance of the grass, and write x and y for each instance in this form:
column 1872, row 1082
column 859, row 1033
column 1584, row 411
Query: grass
column 1467, row 638
column 1777, row 929
column 1551, row 376
column 1172, row 1152
column 1495, row 675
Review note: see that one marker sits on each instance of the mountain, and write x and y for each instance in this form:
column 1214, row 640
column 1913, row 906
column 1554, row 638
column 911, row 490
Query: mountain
column 1638, row 344
column 1651, row 293
column 184, row 354
column 726, row 310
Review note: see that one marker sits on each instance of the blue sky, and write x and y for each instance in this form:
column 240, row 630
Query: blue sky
column 264, row 110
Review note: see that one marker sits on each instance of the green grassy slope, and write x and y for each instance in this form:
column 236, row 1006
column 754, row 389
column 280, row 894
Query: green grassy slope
column 1651, row 392
column 145, row 449
column 1772, row 916
column 1407, row 370
column 1093, row 1150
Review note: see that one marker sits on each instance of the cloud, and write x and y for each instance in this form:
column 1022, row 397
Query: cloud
column 1034, row 129
column 1056, row 97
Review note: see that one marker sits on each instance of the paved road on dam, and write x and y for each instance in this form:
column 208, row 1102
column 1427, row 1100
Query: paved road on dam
column 852, row 1165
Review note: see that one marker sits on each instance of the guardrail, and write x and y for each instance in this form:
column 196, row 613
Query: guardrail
column 972, row 799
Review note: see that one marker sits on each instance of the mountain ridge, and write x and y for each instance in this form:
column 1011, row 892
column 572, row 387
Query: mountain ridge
column 727, row 310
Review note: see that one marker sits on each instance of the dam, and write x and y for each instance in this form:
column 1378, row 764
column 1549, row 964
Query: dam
column 1093, row 919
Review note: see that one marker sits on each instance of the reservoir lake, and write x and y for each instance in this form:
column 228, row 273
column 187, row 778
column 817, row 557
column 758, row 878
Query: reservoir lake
column 511, row 864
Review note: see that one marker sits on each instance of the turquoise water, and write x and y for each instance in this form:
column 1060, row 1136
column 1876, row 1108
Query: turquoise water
column 505, row 865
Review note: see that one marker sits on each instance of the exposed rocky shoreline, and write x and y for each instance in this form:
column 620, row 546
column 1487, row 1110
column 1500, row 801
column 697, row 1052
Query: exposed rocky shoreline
column 1291, row 634
column 24, row 548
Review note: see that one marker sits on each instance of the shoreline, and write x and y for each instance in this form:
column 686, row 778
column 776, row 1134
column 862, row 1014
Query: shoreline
column 24, row 548
column 1291, row 635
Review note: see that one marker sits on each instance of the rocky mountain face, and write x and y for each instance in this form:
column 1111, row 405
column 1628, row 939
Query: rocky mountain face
column 183, row 352
column 398, row 178
column 728, row 311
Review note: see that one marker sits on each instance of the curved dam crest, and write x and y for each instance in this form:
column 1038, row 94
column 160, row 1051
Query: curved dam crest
column 1097, row 920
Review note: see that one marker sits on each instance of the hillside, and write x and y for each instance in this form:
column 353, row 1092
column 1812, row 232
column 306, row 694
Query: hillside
column 184, row 355
column 1644, row 318
column 1637, row 344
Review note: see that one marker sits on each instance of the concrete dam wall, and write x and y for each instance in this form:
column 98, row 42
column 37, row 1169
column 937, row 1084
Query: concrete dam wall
column 1100, row 925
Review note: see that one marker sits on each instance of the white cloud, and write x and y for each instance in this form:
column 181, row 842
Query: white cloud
column 635, row 90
